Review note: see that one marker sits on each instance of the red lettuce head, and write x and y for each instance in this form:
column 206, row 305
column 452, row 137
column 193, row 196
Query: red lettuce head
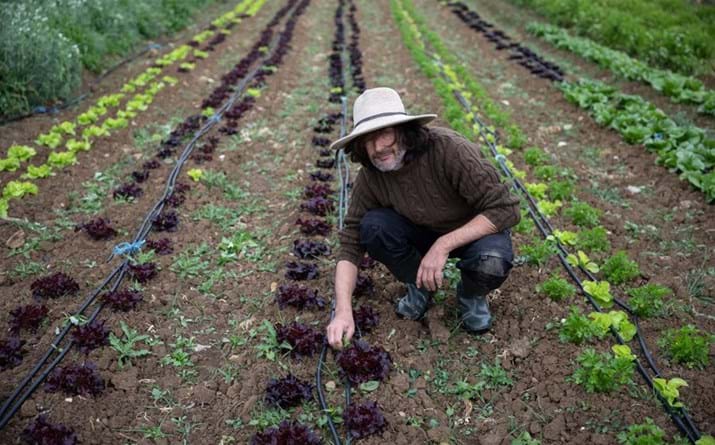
column 288, row 392
column 42, row 432
column 54, row 286
column 364, row 420
column 361, row 363
column 288, row 432
column 304, row 340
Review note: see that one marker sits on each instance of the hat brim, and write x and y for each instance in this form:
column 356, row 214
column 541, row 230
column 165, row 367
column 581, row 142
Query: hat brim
column 378, row 124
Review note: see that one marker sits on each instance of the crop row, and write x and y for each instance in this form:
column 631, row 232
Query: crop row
column 681, row 89
column 686, row 149
column 597, row 373
column 91, row 333
column 678, row 36
column 144, row 87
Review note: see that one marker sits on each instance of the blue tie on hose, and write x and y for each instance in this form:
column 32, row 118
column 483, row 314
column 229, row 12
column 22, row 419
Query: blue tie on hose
column 127, row 248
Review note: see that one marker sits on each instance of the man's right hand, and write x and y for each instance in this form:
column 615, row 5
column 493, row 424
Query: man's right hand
column 342, row 325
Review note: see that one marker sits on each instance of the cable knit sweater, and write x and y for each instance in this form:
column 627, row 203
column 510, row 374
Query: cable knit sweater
column 441, row 189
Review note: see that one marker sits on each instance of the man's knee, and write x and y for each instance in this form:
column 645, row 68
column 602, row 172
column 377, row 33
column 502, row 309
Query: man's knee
column 485, row 272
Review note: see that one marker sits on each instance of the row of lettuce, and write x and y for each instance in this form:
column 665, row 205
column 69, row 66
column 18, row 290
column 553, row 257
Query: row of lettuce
column 597, row 372
column 110, row 113
column 680, row 146
column 674, row 34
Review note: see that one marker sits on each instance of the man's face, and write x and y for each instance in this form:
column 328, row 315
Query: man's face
column 384, row 151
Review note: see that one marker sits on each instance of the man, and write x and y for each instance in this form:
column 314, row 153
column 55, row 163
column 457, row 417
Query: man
column 423, row 195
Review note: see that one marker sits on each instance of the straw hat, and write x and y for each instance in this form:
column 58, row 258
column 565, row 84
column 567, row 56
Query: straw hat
column 378, row 108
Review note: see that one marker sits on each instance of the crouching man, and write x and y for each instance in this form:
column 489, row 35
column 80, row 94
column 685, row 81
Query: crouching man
column 423, row 194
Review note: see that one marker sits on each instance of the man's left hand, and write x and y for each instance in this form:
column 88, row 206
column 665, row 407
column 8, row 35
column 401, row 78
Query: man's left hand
column 430, row 272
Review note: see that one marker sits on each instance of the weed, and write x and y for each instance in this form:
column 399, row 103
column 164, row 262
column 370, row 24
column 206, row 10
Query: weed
column 189, row 264
column 224, row 217
column 125, row 346
column 561, row 190
column 26, row 270
column 494, row 375
column 536, row 157
column 644, row 433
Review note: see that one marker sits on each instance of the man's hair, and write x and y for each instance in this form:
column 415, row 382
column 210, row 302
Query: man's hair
column 411, row 135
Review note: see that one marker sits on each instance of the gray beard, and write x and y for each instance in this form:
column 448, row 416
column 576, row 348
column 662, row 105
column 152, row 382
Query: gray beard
column 399, row 162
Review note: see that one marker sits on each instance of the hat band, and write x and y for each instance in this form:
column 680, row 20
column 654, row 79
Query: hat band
column 375, row 116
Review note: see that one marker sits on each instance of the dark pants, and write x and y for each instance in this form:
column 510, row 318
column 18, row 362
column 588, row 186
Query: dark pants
column 393, row 240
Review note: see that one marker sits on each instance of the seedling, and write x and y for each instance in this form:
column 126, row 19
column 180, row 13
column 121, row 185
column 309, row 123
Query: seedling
column 125, row 347
column 669, row 389
column 582, row 260
column 619, row 269
column 688, row 346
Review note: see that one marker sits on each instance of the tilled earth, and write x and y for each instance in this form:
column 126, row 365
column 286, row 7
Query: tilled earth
column 221, row 399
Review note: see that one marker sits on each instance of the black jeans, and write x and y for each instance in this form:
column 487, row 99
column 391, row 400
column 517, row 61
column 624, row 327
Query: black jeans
column 393, row 240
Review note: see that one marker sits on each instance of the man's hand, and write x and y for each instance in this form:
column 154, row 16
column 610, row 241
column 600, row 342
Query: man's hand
column 342, row 324
column 430, row 273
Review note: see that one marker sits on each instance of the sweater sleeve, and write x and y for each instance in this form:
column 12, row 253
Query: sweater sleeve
column 477, row 181
column 361, row 200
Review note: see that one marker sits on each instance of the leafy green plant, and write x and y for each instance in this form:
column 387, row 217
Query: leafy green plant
column 125, row 346
column 546, row 172
column 576, row 328
column 688, row 346
column 556, row 288
column 564, row 237
column 600, row 291
column 494, row 375
column 669, row 389
column 582, row 260
column 647, row 301
column 535, row 157
column 593, row 240
column 603, row 372
column 539, row 252
column 549, row 208
column 618, row 269
column 18, row 189
column 583, row 215
column 618, row 320
column 562, row 190
column 647, row 433
column 525, row 225
column 525, row 439
column 537, row 189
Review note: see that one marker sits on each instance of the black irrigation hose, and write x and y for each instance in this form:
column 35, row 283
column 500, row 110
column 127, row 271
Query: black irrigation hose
column 684, row 423
column 7, row 411
column 343, row 173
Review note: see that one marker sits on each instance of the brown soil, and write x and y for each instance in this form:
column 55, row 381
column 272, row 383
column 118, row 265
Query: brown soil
column 271, row 162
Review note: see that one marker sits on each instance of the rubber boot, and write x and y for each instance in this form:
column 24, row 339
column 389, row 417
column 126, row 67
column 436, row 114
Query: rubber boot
column 474, row 314
column 414, row 304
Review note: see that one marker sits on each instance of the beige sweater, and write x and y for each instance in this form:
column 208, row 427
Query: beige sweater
column 442, row 189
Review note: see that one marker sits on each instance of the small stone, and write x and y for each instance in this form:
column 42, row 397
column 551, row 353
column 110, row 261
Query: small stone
column 28, row 409
column 330, row 386
column 634, row 189
column 274, row 286
column 520, row 348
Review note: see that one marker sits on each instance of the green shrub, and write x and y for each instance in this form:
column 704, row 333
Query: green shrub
column 647, row 301
column 535, row 157
column 687, row 345
column 583, row 215
column 538, row 253
column 576, row 328
column 602, row 372
column 619, row 269
column 45, row 44
column 593, row 240
column 556, row 288
column 647, row 433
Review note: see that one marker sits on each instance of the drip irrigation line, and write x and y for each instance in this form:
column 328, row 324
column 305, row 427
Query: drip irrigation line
column 684, row 423
column 8, row 408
